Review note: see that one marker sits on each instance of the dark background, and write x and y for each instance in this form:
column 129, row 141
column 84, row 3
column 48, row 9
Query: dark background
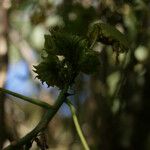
column 113, row 105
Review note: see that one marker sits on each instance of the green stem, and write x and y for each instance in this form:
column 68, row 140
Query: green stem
column 31, row 100
column 77, row 125
column 42, row 124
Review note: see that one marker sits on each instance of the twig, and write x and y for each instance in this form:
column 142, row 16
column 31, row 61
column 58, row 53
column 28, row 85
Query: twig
column 41, row 125
column 31, row 100
column 77, row 125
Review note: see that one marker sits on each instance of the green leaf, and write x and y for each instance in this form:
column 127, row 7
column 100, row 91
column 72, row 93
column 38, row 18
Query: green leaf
column 90, row 62
column 109, row 35
column 76, row 57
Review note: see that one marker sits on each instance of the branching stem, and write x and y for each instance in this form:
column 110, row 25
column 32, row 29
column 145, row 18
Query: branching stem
column 41, row 125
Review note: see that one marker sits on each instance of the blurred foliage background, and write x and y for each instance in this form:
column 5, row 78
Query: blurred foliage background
column 113, row 105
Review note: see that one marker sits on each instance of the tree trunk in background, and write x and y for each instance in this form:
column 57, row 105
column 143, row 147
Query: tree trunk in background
column 141, row 130
column 3, row 64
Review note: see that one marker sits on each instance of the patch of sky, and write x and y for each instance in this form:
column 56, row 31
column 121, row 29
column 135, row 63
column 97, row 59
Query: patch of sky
column 18, row 79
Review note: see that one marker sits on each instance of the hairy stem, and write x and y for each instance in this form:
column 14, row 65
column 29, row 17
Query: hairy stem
column 31, row 100
column 41, row 125
column 77, row 125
